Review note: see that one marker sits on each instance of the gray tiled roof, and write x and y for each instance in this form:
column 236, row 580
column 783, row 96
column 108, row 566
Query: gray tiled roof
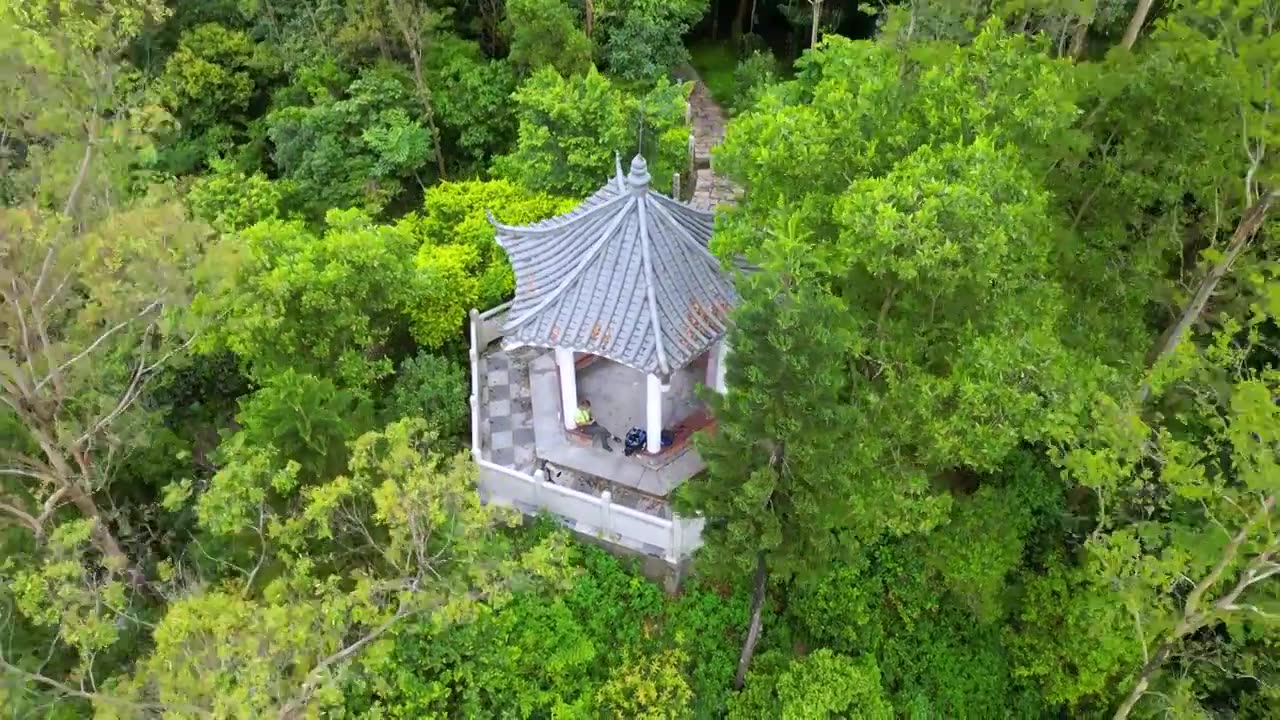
column 626, row 275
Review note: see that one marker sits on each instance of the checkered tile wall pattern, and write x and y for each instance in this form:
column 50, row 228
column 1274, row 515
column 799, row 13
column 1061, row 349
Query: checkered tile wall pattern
column 508, row 412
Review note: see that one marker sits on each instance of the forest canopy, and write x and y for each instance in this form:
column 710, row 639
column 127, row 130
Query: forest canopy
column 1002, row 415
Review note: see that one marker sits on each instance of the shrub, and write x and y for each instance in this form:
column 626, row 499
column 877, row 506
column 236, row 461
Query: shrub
column 570, row 129
column 754, row 73
column 433, row 388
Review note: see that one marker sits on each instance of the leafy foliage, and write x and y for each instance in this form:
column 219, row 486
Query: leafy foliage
column 642, row 39
column 209, row 83
column 432, row 549
column 545, row 34
column 610, row 641
column 356, row 150
column 471, row 97
column 230, row 200
column 823, row 684
column 570, row 129
column 460, row 265
column 968, row 483
column 435, row 388
column 326, row 304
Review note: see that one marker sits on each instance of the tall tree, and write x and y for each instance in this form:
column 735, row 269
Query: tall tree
column 82, row 336
column 776, row 493
column 327, row 574
column 1186, row 537
column 417, row 24
column 1237, row 43
column 934, row 233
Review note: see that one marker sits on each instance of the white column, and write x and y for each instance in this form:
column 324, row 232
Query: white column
column 568, row 387
column 653, row 417
column 722, row 355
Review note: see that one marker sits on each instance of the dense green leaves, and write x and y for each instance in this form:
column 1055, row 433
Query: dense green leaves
column 642, row 39
column 610, row 642
column 459, row 264
column 546, row 33
column 357, row 150
column 961, row 489
column 571, row 128
column 322, row 303
column 824, row 684
column 434, row 388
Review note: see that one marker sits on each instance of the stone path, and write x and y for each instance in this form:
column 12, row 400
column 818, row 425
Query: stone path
column 708, row 131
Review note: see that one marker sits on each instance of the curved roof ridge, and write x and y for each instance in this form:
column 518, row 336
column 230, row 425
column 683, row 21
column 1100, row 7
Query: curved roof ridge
column 626, row 275
column 582, row 265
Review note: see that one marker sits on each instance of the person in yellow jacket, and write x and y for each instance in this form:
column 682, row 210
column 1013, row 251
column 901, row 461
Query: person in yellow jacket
column 586, row 424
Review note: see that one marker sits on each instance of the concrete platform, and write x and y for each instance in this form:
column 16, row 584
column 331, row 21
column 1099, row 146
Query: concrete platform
column 656, row 476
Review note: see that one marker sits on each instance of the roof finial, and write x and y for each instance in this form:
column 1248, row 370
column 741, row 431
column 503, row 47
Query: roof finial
column 639, row 177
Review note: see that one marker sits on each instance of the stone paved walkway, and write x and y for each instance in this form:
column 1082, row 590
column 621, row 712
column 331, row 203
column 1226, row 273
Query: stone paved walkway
column 708, row 131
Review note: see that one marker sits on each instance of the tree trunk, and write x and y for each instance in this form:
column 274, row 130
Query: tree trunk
column 428, row 111
column 1244, row 232
column 1079, row 40
column 740, row 20
column 753, row 629
column 715, row 20
column 1144, row 681
column 80, row 496
column 1135, row 24
column 1193, row 618
column 103, row 540
column 817, row 16
column 411, row 30
column 590, row 11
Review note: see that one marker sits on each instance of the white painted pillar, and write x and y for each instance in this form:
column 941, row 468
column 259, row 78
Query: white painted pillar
column 653, row 416
column 568, row 387
column 722, row 355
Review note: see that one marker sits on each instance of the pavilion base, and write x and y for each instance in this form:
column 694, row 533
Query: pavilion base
column 655, row 475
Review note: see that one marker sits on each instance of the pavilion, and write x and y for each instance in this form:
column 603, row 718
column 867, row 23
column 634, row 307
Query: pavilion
column 626, row 277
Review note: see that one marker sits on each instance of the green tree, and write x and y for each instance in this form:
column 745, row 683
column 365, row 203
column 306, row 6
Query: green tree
column 472, row 97
column 647, row 688
column 356, row 151
column 545, row 33
column 821, row 685
column 1186, row 537
column 460, row 265
column 403, row 536
column 436, row 389
column 303, row 419
column 231, row 200
column 417, row 25
column 1070, row 638
column 324, row 304
column 778, row 488
column 208, row 84
column 644, row 39
column 571, row 128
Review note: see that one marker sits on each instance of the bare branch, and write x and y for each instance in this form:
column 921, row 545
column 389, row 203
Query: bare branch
column 74, row 195
column 262, row 545
column 97, row 697
column 317, row 673
column 52, row 503
column 25, row 517
column 94, row 345
column 22, row 328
